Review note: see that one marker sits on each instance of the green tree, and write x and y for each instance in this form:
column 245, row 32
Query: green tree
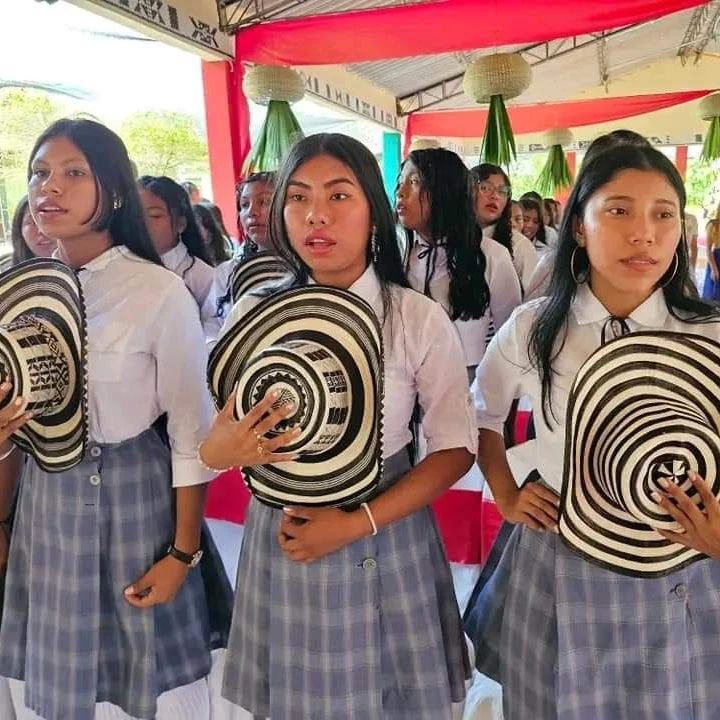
column 24, row 114
column 703, row 185
column 165, row 143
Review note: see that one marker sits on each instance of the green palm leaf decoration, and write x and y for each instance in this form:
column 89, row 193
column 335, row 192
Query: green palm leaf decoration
column 279, row 132
column 498, row 146
column 556, row 174
column 494, row 79
column 711, row 146
column 710, row 110
column 276, row 87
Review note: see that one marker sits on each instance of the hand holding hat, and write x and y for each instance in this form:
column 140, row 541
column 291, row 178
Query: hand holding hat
column 233, row 443
column 700, row 525
column 12, row 418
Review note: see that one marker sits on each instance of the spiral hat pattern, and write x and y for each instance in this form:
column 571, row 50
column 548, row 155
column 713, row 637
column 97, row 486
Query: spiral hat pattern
column 320, row 348
column 643, row 407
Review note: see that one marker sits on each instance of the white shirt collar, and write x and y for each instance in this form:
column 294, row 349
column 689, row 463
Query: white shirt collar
column 102, row 260
column 489, row 231
column 367, row 287
column 172, row 259
column 588, row 309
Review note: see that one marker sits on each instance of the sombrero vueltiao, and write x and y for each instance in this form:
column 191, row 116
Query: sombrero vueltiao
column 260, row 269
column 321, row 348
column 43, row 354
column 643, row 407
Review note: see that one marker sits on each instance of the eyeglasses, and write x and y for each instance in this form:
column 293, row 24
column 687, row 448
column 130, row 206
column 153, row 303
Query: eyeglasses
column 487, row 188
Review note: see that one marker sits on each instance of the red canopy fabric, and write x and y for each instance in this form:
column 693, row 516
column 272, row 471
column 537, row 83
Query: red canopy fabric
column 544, row 116
column 437, row 27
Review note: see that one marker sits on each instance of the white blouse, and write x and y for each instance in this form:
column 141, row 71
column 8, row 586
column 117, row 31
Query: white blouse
column 146, row 357
column 196, row 274
column 212, row 324
column 502, row 282
column 505, row 372
column 423, row 358
column 524, row 255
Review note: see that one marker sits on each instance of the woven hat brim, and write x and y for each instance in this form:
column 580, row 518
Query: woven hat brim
column 341, row 321
column 255, row 272
column 637, row 400
column 49, row 290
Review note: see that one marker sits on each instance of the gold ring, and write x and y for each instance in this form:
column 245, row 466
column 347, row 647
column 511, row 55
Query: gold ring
column 258, row 437
column 260, row 449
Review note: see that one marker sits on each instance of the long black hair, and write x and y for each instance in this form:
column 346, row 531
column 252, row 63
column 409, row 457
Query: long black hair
column 178, row 205
column 548, row 332
column 21, row 251
column 118, row 209
column 503, row 227
column 529, row 203
column 449, row 187
column 386, row 259
column 217, row 245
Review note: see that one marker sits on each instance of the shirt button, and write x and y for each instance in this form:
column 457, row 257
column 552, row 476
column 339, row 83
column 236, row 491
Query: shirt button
column 95, row 451
column 369, row 564
column 681, row 591
column 94, row 479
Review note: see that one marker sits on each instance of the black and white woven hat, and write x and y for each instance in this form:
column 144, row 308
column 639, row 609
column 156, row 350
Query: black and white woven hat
column 260, row 269
column 43, row 351
column 643, row 407
column 321, row 348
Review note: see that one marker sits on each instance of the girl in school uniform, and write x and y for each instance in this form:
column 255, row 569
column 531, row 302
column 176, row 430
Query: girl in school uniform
column 217, row 244
column 493, row 210
column 106, row 615
column 358, row 624
column 27, row 241
column 175, row 234
column 253, row 197
column 568, row 638
column 534, row 229
column 446, row 261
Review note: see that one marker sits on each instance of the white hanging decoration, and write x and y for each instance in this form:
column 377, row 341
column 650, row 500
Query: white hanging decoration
column 506, row 74
column 264, row 83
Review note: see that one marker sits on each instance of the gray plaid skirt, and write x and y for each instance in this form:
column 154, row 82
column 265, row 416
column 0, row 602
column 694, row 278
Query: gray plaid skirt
column 80, row 538
column 569, row 640
column 369, row 632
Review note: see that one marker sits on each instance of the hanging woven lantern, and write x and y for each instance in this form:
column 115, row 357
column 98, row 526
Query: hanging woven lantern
column 556, row 174
column 264, row 83
column 710, row 110
column 275, row 87
column 494, row 79
column 424, row 144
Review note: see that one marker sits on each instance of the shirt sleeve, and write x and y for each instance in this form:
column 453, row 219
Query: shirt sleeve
column 540, row 279
column 442, row 386
column 181, row 361
column 504, row 285
column 526, row 260
column 498, row 376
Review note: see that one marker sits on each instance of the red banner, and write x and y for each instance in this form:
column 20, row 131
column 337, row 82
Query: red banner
column 441, row 26
column 544, row 116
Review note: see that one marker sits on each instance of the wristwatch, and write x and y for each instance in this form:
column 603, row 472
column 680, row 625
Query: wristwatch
column 190, row 560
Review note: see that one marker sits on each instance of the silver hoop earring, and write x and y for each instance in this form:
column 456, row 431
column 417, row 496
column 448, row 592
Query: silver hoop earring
column 674, row 272
column 578, row 280
column 117, row 203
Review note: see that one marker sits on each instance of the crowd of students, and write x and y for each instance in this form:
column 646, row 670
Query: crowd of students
column 347, row 614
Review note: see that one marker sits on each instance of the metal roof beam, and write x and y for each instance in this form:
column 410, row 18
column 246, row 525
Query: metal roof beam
column 703, row 27
column 236, row 14
column 537, row 54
